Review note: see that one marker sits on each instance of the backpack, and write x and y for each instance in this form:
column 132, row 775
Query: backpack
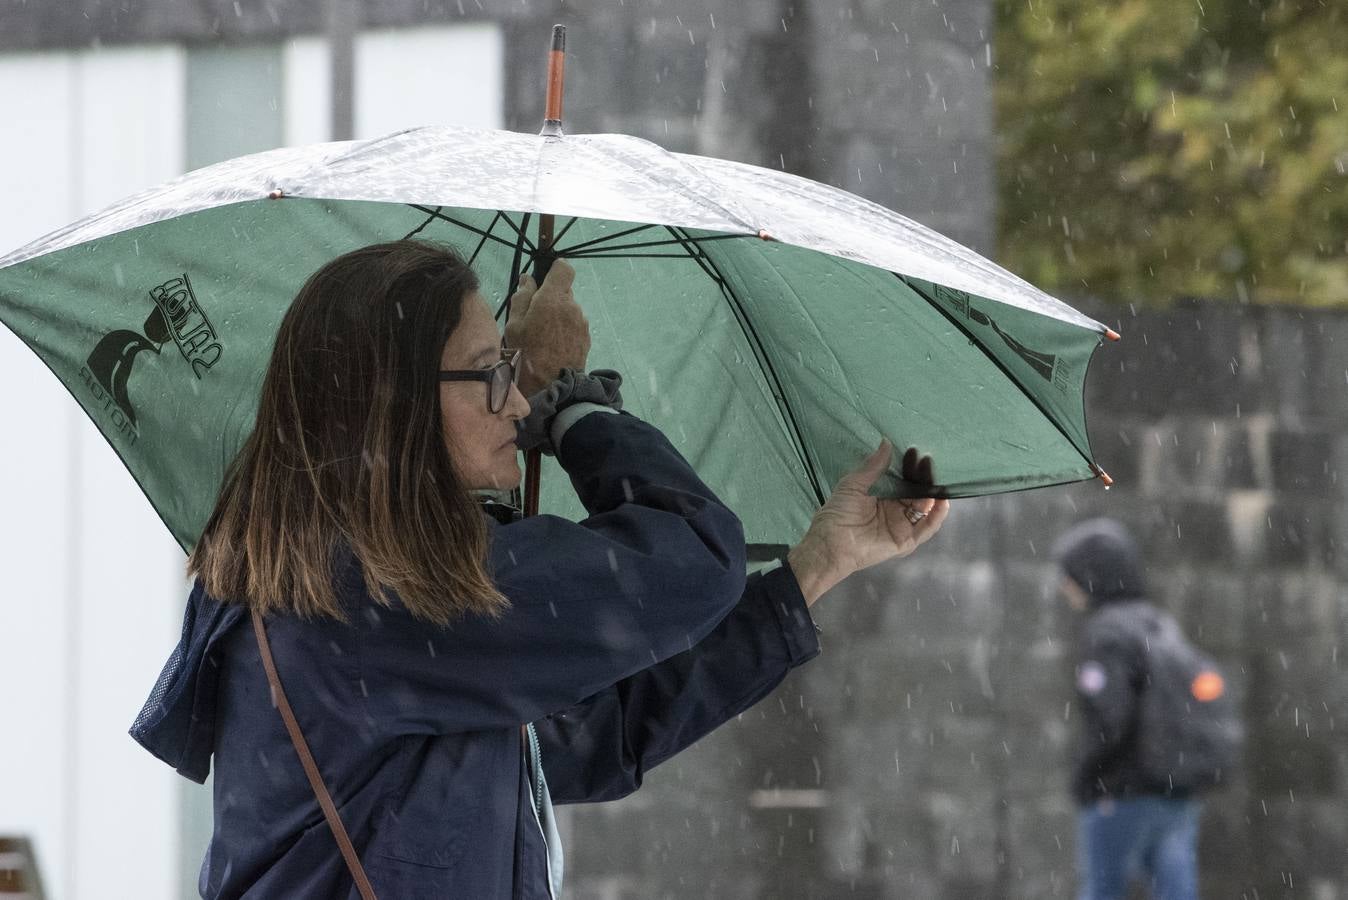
column 1189, row 734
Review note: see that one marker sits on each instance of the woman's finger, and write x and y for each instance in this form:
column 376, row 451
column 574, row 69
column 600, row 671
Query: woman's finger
column 522, row 298
column 936, row 512
column 559, row 279
column 864, row 475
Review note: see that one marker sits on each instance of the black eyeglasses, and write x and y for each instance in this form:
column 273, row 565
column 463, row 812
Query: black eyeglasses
column 499, row 378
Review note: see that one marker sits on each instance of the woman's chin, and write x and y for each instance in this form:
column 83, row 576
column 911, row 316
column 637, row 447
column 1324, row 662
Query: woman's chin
column 511, row 476
column 506, row 477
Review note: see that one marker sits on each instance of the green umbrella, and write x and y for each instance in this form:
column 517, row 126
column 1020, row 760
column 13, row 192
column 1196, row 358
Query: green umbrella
column 773, row 327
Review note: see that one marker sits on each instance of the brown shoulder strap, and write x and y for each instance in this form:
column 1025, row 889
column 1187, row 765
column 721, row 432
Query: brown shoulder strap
column 278, row 696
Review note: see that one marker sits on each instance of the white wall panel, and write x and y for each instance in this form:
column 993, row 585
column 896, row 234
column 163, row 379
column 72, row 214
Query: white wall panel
column 308, row 94
column 430, row 76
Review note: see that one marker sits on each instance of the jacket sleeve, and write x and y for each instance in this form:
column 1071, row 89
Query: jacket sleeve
column 1108, row 683
column 601, row 748
column 656, row 565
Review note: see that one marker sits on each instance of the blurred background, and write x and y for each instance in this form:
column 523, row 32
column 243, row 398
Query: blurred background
column 1175, row 170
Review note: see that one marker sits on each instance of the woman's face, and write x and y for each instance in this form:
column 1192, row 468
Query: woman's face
column 481, row 443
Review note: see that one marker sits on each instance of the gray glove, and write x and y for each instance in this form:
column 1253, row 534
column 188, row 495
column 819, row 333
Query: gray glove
column 600, row 386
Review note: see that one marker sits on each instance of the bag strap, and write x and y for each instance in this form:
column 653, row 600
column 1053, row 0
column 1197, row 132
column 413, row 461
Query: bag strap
column 278, row 696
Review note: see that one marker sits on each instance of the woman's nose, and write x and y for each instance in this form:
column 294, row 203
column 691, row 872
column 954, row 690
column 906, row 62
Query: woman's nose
column 517, row 407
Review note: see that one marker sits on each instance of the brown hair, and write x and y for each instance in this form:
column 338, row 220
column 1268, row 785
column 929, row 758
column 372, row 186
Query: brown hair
column 348, row 450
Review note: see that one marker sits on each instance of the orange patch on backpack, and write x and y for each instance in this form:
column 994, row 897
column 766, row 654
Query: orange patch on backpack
column 1207, row 686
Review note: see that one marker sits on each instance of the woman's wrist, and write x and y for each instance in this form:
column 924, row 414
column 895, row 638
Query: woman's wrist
column 812, row 567
column 570, row 415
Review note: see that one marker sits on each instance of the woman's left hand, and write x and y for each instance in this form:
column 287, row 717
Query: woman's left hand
column 548, row 325
column 854, row 530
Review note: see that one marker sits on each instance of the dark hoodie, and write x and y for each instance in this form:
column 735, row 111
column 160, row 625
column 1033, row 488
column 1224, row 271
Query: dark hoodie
column 629, row 636
column 1102, row 558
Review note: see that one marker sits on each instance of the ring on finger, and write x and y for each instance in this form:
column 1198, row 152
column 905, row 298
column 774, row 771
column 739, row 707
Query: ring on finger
column 913, row 515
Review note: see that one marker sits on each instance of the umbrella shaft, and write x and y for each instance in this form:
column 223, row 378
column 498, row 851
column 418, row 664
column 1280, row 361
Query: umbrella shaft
column 533, row 469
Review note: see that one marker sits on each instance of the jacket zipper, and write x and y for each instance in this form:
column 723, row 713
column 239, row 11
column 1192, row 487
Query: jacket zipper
column 535, row 763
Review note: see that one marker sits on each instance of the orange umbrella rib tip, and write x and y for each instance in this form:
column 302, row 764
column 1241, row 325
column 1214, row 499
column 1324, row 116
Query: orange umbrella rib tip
column 1102, row 475
column 276, row 194
column 764, row 236
column 1111, row 334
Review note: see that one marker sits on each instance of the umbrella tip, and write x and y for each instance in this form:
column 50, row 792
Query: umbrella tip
column 276, row 194
column 1103, row 476
column 1111, row 334
column 764, row 236
column 552, row 111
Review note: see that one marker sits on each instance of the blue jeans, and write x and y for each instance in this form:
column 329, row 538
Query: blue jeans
column 1151, row 839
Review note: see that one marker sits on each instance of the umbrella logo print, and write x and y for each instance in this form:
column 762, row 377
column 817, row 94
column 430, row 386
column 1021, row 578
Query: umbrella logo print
column 1045, row 365
column 176, row 315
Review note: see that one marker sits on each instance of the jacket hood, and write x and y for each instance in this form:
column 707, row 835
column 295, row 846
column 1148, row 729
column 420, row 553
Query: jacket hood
column 177, row 723
column 1101, row 556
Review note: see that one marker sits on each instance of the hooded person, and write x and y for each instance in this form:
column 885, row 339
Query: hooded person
column 1131, row 825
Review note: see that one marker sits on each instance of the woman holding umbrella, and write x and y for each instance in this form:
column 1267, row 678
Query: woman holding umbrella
column 447, row 670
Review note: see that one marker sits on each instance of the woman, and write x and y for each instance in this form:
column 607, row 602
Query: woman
column 415, row 636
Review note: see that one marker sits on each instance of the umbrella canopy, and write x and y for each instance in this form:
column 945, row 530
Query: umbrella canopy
column 773, row 327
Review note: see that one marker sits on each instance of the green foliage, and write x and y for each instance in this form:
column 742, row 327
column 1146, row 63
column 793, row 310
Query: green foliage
column 1151, row 149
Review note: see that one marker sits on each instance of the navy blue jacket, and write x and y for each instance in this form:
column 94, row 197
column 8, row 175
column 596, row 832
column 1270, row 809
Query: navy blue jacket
column 630, row 635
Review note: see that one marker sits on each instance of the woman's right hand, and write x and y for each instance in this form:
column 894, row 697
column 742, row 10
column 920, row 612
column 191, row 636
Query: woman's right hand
column 854, row 530
column 549, row 326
